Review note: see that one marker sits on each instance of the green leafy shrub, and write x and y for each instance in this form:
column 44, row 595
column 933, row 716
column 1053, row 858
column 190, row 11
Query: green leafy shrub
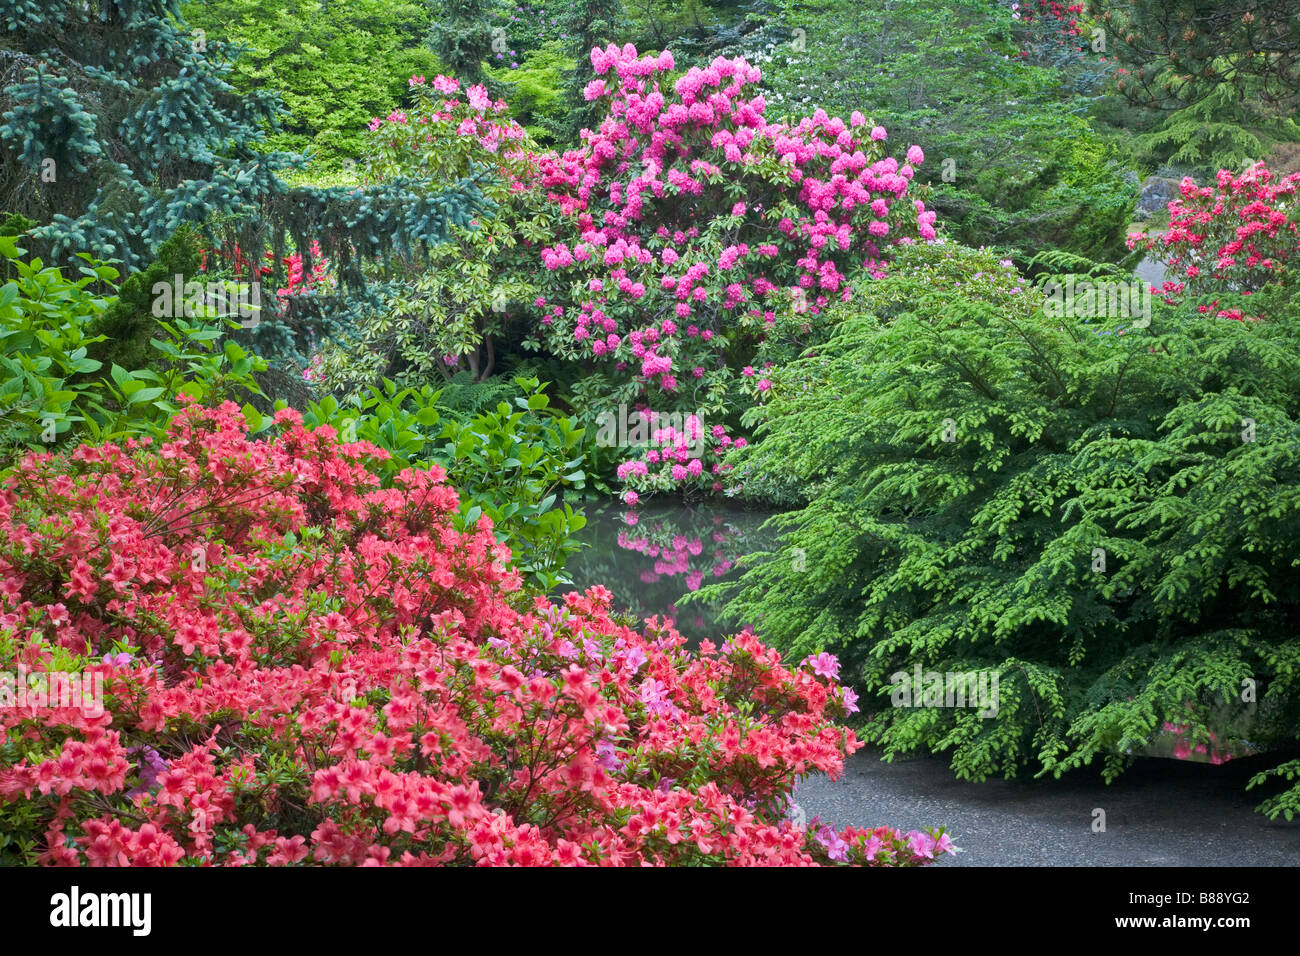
column 128, row 324
column 53, row 391
column 1104, row 515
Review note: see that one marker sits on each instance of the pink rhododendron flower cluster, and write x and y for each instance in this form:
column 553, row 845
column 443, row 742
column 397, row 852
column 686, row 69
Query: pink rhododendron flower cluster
column 301, row 665
column 694, row 225
column 1194, row 740
column 1185, row 749
column 299, row 280
column 690, row 228
column 1230, row 237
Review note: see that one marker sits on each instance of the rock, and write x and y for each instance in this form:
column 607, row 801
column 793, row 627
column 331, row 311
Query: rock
column 1157, row 191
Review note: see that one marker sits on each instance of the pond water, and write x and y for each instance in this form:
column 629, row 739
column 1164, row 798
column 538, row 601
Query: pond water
column 652, row 557
column 1150, row 270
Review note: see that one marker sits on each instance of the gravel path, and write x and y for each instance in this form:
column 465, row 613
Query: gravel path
column 1158, row 813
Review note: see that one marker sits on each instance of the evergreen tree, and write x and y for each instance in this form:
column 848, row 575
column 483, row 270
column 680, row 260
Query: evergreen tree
column 461, row 35
column 1226, row 75
column 1182, row 49
column 1103, row 512
column 588, row 24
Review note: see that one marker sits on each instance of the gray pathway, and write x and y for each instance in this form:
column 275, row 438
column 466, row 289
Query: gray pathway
column 1158, row 813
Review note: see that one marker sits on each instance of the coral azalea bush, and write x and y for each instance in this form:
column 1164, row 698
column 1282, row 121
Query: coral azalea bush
column 299, row 665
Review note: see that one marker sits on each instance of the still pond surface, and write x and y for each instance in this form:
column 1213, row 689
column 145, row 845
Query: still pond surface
column 652, row 557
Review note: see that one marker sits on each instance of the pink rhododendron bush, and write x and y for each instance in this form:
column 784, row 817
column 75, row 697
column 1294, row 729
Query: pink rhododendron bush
column 300, row 666
column 683, row 250
column 693, row 228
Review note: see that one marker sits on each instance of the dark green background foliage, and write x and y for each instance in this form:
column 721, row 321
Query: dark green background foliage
column 1025, row 168
column 587, row 24
column 979, row 552
column 462, row 37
